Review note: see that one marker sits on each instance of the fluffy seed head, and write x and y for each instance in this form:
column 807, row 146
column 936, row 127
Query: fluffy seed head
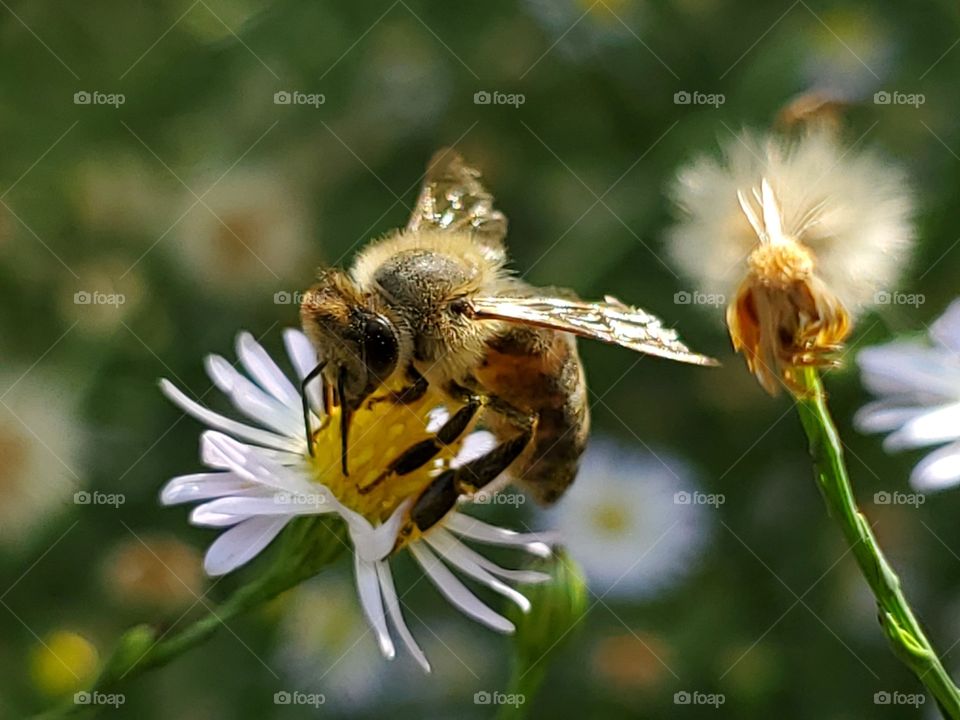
column 801, row 234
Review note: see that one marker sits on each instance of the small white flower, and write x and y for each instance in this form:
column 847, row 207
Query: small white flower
column 801, row 237
column 320, row 649
column 918, row 385
column 250, row 231
column 40, row 449
column 264, row 477
column 632, row 520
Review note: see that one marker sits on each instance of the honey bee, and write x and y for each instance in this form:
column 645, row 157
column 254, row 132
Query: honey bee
column 435, row 305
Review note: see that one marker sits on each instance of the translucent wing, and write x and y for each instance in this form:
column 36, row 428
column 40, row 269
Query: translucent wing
column 611, row 321
column 453, row 198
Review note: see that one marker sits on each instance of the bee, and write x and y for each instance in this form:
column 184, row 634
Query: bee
column 433, row 304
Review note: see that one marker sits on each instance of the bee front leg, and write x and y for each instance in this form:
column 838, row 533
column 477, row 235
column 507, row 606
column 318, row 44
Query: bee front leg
column 310, row 376
column 442, row 494
column 408, row 394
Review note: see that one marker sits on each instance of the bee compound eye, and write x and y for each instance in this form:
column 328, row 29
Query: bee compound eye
column 380, row 346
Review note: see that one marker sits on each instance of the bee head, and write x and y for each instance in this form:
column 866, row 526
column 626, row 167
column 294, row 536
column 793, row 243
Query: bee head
column 358, row 346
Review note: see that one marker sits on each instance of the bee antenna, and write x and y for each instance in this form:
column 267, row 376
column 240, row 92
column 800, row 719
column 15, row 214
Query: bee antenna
column 346, row 414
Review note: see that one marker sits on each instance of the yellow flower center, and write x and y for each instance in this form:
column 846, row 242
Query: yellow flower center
column 611, row 519
column 380, row 432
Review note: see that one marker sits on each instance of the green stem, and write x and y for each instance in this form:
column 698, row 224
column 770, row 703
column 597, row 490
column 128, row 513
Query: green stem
column 902, row 629
column 306, row 547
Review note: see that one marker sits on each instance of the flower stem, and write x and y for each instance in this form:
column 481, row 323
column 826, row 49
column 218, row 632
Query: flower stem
column 900, row 625
column 306, row 547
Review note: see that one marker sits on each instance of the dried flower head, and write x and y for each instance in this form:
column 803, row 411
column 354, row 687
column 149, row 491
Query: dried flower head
column 800, row 235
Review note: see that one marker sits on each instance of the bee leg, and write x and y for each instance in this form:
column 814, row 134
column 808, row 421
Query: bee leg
column 442, row 494
column 312, row 375
column 419, row 454
column 414, row 391
column 406, row 395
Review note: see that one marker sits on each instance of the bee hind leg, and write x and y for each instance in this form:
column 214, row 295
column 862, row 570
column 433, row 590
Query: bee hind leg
column 442, row 494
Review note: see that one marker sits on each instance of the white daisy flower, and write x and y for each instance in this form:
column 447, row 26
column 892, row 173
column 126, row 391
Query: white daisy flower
column 264, row 476
column 918, row 385
column 249, row 233
column 799, row 237
column 319, row 650
column 635, row 522
column 40, row 455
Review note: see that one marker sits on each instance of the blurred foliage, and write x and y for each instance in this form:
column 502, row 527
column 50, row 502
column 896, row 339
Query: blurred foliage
column 198, row 199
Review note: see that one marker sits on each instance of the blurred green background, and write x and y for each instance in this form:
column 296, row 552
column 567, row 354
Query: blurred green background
column 194, row 207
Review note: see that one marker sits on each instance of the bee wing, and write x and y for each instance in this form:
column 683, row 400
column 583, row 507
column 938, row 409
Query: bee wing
column 453, row 198
column 610, row 321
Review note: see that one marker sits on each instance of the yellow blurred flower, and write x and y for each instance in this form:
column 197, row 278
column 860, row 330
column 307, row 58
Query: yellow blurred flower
column 157, row 571
column 62, row 662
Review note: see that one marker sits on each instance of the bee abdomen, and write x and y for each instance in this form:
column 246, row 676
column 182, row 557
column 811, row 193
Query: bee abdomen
column 539, row 372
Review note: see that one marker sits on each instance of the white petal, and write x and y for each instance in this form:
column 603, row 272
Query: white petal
column 474, row 445
column 246, row 461
column 241, row 544
column 946, row 330
column 535, row 543
column 251, row 400
column 202, row 515
column 938, row 470
column 519, row 576
column 936, row 426
column 884, row 416
column 303, row 356
column 368, row 587
column 452, row 550
column 396, row 616
column 202, row 486
column 900, row 368
column 456, row 592
column 373, row 543
column 273, row 504
column 239, row 430
column 261, row 367
column 436, row 418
